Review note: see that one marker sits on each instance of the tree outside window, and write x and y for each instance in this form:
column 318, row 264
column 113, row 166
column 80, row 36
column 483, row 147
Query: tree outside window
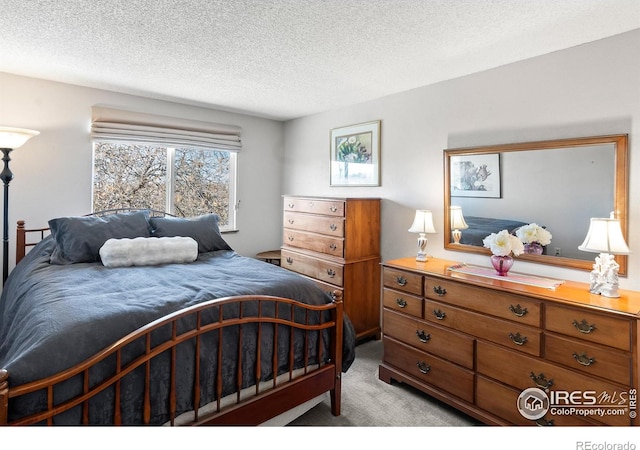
column 186, row 182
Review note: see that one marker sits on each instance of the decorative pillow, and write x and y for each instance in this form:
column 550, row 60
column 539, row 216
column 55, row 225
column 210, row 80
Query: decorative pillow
column 78, row 239
column 204, row 229
column 148, row 251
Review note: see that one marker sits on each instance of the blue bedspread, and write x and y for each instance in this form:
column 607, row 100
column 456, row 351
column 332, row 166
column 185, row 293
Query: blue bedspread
column 52, row 316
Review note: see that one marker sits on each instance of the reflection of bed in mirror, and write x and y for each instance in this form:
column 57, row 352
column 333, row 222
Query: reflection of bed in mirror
column 481, row 227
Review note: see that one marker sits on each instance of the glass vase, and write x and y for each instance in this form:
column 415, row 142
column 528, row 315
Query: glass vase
column 502, row 264
column 533, row 248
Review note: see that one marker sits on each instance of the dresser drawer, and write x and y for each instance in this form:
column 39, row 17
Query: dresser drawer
column 429, row 369
column 590, row 326
column 330, row 226
column 452, row 346
column 508, row 306
column 502, row 401
column 317, row 243
column 513, row 335
column 401, row 301
column 402, row 281
column 521, row 372
column 320, row 269
column 308, row 205
column 604, row 362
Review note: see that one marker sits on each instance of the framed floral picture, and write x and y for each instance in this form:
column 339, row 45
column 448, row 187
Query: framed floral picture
column 476, row 175
column 355, row 155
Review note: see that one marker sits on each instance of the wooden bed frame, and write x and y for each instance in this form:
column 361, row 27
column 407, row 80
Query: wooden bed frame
column 268, row 399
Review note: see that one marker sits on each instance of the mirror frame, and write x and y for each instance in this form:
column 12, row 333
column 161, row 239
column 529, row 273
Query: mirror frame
column 621, row 193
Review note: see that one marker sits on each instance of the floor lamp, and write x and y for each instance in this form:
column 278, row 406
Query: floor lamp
column 10, row 139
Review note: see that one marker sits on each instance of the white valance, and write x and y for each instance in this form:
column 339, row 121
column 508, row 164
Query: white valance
column 111, row 124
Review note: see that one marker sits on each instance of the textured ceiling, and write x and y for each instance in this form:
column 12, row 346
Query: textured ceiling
column 288, row 58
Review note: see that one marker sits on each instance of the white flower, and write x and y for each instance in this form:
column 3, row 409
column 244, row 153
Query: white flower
column 533, row 233
column 503, row 244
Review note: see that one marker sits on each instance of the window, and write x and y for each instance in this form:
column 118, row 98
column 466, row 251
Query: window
column 182, row 166
column 184, row 181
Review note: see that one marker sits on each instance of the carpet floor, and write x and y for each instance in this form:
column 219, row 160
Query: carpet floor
column 368, row 401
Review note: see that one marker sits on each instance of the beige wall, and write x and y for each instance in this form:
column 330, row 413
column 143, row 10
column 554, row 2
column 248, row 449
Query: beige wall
column 52, row 172
column 588, row 90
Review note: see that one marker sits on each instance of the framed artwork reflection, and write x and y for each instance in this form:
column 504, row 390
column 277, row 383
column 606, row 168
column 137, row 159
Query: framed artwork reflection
column 476, row 176
column 355, row 155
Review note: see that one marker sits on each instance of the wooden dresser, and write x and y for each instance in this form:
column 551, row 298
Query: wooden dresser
column 485, row 346
column 336, row 242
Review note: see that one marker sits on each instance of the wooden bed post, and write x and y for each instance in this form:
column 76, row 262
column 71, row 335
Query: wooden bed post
column 20, row 241
column 4, row 397
column 336, row 393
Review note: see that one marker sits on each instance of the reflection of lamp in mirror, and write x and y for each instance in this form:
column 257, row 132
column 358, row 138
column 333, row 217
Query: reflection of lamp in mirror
column 457, row 223
column 10, row 139
column 422, row 223
column 605, row 237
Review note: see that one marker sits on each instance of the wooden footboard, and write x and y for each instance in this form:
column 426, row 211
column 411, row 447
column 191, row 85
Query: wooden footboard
column 262, row 401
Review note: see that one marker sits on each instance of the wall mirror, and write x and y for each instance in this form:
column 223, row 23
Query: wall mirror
column 557, row 184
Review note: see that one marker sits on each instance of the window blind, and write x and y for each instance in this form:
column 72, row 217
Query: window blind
column 111, row 124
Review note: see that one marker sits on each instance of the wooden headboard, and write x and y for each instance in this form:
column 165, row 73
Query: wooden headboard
column 30, row 237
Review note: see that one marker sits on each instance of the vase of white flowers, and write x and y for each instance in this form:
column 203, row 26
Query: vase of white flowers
column 534, row 238
column 503, row 245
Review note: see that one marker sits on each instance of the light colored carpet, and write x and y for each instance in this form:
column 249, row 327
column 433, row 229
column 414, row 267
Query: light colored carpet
column 368, row 401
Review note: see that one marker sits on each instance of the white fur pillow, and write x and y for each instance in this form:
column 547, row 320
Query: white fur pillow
column 152, row 251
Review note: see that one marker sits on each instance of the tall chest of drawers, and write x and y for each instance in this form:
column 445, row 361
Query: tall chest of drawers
column 487, row 346
column 336, row 243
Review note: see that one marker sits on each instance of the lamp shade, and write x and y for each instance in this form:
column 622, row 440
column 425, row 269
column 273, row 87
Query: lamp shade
column 605, row 236
column 15, row 137
column 457, row 219
column 423, row 222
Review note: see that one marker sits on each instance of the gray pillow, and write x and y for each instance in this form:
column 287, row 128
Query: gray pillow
column 204, row 229
column 78, row 239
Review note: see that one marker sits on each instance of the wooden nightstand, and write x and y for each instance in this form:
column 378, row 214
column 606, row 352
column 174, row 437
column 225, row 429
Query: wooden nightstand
column 270, row 256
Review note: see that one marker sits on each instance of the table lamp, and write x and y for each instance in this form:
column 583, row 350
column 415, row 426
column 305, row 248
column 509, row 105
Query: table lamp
column 457, row 223
column 422, row 223
column 605, row 237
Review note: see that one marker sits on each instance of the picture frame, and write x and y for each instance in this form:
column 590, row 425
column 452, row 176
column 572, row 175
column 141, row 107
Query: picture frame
column 476, row 176
column 355, row 155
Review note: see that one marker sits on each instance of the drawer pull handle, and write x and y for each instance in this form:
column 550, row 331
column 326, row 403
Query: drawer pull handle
column 542, row 422
column 401, row 281
column 583, row 326
column 333, row 208
column 291, row 221
column 402, row 303
column 584, row 359
column 291, row 205
column 422, row 336
column 439, row 291
column 541, row 381
column 423, row 367
column 290, row 238
column 331, row 273
column 518, row 310
column 518, row 339
column 333, row 227
column 333, row 247
column 310, row 204
column 440, row 315
column 289, row 260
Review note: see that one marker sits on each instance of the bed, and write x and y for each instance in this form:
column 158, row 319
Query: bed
column 121, row 339
column 481, row 227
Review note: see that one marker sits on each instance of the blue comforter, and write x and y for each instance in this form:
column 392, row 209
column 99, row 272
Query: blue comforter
column 53, row 316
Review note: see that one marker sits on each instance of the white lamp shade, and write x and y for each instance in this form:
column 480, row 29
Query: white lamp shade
column 423, row 222
column 15, row 137
column 605, row 236
column 457, row 219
